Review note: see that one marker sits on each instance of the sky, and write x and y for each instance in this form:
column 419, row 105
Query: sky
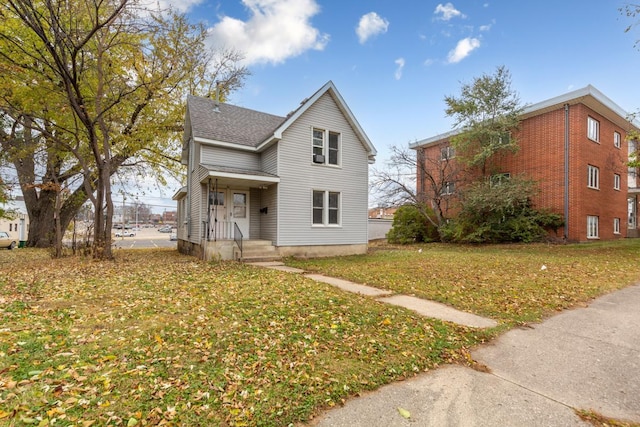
column 395, row 61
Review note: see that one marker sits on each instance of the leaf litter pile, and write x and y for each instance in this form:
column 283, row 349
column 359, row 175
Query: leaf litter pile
column 157, row 338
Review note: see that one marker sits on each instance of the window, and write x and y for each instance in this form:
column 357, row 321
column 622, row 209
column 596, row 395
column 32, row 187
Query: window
column 326, row 147
column 499, row 178
column 447, row 153
column 617, row 139
column 592, row 227
column 593, row 129
column 616, row 181
column 616, row 225
column 326, row 208
column 593, row 179
column 448, row 188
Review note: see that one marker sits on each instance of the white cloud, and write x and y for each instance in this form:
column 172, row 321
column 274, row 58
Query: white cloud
column 275, row 31
column 448, row 12
column 400, row 63
column 463, row 49
column 371, row 25
column 485, row 27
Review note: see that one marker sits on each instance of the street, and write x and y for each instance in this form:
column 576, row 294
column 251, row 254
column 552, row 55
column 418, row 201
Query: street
column 145, row 238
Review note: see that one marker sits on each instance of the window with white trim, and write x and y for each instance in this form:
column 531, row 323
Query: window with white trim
column 447, row 153
column 617, row 139
column 325, row 147
column 593, row 177
column 592, row 227
column 593, row 129
column 616, row 181
column 448, row 188
column 499, row 178
column 326, row 207
column 616, row 225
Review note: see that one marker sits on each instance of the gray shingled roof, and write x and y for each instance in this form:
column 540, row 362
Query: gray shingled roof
column 230, row 124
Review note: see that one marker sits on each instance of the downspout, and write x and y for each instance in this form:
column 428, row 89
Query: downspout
column 566, row 172
column 207, row 232
column 189, row 187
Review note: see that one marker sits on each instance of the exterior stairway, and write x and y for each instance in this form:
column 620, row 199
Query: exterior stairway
column 257, row 251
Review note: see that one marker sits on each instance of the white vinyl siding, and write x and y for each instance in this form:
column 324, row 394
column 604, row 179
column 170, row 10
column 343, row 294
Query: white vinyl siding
column 298, row 180
column 592, row 227
column 593, row 129
column 219, row 156
column 593, row 177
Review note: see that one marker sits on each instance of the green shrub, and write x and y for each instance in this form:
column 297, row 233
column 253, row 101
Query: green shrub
column 411, row 226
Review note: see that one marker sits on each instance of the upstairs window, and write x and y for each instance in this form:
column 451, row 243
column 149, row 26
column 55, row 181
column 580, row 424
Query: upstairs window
column 448, row 188
column 616, row 181
column 447, row 153
column 617, row 139
column 593, row 129
column 593, row 177
column 325, row 147
column 499, row 178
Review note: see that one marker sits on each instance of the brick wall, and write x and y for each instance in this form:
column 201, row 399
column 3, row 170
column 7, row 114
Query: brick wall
column 541, row 158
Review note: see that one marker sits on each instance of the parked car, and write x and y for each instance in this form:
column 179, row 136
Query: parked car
column 165, row 229
column 6, row 241
column 173, row 236
column 125, row 233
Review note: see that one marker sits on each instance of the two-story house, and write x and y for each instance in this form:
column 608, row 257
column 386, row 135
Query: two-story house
column 575, row 147
column 262, row 185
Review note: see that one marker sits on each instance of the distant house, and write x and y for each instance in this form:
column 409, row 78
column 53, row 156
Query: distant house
column 18, row 224
column 382, row 213
column 576, row 147
column 261, row 185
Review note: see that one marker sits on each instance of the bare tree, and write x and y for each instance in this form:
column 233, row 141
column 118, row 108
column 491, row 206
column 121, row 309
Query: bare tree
column 412, row 177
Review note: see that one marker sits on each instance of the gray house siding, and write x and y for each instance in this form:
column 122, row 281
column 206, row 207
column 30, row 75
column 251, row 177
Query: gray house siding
column 229, row 157
column 270, row 160
column 268, row 222
column 302, row 176
column 254, row 213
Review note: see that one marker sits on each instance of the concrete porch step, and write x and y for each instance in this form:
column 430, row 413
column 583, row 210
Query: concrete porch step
column 257, row 251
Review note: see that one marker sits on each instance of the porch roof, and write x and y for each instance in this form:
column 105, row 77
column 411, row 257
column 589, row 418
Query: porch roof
column 227, row 176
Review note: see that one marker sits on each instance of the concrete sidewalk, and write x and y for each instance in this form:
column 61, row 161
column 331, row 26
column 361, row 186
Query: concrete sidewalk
column 587, row 358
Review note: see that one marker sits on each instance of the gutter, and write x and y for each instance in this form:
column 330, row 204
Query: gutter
column 566, row 172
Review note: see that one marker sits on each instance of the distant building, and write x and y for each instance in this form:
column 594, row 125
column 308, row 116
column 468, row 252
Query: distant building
column 575, row 147
column 18, row 225
column 382, row 213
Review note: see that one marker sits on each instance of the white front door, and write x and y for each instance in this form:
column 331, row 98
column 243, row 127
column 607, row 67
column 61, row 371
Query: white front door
column 240, row 210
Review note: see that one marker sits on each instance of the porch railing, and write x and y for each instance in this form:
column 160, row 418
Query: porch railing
column 237, row 237
column 220, row 230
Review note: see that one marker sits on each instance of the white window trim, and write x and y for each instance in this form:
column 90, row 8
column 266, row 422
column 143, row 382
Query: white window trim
column 325, row 209
column 448, row 188
column 593, row 177
column 617, row 179
column 617, row 139
column 616, row 225
column 592, row 227
column 325, row 147
column 447, row 153
column 593, row 126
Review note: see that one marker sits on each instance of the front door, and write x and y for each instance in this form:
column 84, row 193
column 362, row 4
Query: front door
column 240, row 210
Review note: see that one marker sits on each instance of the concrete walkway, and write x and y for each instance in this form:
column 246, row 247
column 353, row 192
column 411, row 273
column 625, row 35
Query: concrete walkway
column 581, row 359
column 420, row 306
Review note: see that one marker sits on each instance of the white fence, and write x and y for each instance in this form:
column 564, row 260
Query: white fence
column 378, row 228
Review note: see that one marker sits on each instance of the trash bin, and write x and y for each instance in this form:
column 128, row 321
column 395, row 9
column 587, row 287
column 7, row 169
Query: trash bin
column 22, row 243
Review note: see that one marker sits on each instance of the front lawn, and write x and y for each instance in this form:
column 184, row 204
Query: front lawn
column 156, row 337
column 159, row 338
column 510, row 283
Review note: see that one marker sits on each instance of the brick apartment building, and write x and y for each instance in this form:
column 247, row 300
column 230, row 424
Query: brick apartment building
column 575, row 147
